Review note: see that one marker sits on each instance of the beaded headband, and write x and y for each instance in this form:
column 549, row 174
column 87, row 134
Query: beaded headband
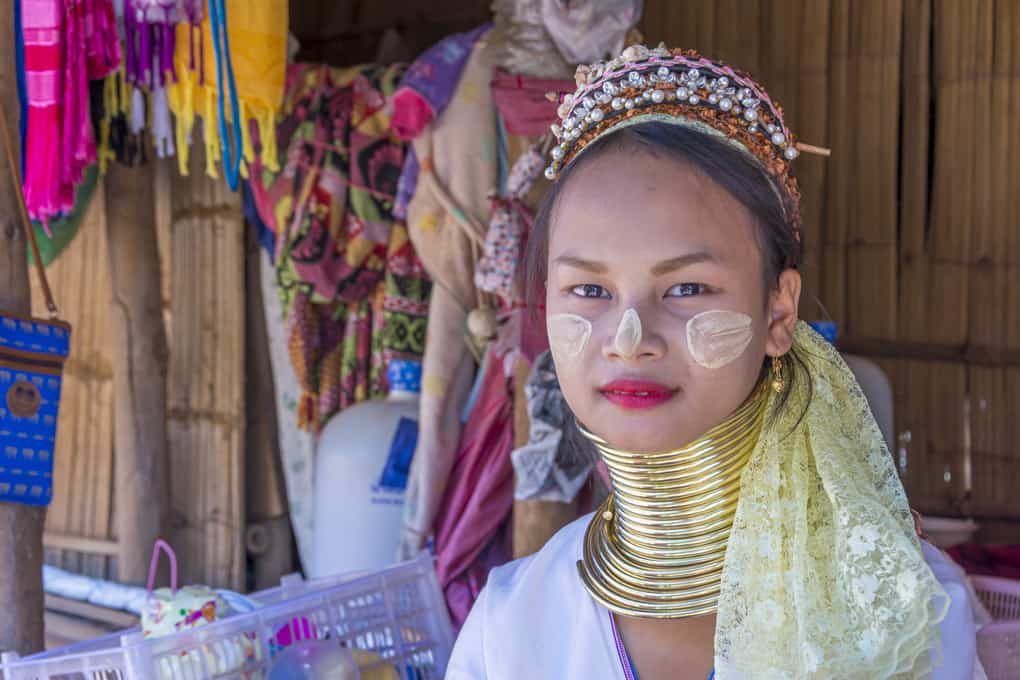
column 681, row 87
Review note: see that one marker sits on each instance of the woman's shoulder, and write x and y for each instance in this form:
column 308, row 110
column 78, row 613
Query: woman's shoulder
column 552, row 567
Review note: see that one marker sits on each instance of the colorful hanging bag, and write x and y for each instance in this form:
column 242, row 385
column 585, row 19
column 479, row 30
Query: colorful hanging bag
column 32, row 356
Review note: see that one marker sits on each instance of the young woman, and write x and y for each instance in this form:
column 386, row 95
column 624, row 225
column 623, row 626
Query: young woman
column 756, row 527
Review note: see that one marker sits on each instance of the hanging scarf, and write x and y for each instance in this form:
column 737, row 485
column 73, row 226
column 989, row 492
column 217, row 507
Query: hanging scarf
column 66, row 43
column 258, row 52
column 523, row 102
column 42, row 28
column 824, row 576
column 92, row 53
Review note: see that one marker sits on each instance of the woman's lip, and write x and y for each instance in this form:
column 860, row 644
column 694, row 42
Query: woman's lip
column 636, row 386
column 636, row 394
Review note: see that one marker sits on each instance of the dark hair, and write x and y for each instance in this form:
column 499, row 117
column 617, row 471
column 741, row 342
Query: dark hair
column 718, row 159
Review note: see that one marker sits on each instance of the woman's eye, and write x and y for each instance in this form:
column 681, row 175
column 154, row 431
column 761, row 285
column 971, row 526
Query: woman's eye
column 589, row 290
column 686, row 290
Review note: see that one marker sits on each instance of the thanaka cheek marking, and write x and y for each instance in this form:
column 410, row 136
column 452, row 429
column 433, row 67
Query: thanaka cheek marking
column 568, row 334
column 718, row 337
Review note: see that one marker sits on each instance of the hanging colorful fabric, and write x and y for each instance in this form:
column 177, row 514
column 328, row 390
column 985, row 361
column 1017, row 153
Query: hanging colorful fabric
column 258, row 62
column 221, row 45
column 32, row 355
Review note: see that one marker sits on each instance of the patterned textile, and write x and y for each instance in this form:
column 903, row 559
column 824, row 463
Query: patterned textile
column 353, row 290
column 430, row 82
column 496, row 271
column 66, row 43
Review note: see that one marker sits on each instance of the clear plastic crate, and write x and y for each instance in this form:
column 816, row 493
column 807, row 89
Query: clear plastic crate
column 998, row 643
column 397, row 616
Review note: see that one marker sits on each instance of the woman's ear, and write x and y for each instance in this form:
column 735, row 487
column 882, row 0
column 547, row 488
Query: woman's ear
column 782, row 313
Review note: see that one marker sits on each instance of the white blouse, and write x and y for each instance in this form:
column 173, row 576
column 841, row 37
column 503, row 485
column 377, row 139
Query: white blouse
column 535, row 620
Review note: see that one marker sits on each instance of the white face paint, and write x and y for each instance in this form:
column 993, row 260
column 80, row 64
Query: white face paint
column 628, row 333
column 568, row 334
column 717, row 337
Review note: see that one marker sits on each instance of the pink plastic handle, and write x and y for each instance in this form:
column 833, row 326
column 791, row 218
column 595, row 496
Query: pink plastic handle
column 165, row 547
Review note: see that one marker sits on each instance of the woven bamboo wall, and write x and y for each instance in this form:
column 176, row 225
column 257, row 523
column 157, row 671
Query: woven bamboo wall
column 911, row 234
column 82, row 505
column 205, row 384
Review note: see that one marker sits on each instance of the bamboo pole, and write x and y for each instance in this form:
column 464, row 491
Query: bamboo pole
column 21, row 526
column 140, row 369
column 914, row 155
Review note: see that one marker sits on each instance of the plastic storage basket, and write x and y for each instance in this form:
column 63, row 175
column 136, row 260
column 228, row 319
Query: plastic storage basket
column 397, row 615
column 998, row 642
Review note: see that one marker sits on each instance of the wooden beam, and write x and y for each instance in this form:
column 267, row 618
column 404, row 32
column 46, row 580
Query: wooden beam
column 269, row 538
column 91, row 546
column 976, row 355
column 21, row 526
column 140, row 369
column 112, row 619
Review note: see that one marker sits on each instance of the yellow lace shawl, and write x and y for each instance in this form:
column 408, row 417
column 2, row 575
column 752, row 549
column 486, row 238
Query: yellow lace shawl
column 824, row 576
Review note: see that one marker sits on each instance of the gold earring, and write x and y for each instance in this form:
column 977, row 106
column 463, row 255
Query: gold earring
column 778, row 382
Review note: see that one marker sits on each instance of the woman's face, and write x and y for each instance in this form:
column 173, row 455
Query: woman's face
column 657, row 314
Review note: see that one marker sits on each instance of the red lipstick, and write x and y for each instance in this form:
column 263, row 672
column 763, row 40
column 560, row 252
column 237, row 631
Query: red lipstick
column 636, row 394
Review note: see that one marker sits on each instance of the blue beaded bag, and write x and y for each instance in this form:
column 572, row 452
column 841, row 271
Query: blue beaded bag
column 32, row 356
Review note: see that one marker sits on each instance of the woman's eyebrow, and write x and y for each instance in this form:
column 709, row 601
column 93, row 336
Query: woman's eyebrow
column 675, row 263
column 664, row 267
column 581, row 263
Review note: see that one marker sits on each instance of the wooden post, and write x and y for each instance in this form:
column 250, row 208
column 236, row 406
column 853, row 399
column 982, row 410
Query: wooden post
column 140, row 368
column 21, row 526
column 269, row 539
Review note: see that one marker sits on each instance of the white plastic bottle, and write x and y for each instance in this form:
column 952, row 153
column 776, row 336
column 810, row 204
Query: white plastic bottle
column 364, row 455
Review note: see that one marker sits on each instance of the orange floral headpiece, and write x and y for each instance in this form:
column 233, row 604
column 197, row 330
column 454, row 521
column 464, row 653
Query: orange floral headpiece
column 681, row 87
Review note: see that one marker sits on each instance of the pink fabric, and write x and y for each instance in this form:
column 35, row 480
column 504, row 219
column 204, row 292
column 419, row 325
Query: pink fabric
column 67, row 42
column 523, row 104
column 478, row 497
column 988, row 560
column 411, row 113
column 42, row 26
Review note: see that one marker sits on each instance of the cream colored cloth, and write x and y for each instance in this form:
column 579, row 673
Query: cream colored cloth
column 448, row 218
